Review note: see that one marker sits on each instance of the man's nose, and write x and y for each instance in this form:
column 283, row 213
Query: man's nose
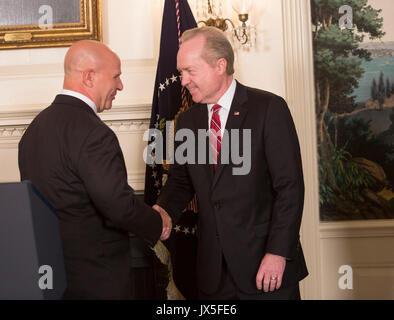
column 120, row 85
column 185, row 80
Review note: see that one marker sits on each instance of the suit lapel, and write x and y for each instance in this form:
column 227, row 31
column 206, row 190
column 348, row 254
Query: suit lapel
column 201, row 122
column 235, row 119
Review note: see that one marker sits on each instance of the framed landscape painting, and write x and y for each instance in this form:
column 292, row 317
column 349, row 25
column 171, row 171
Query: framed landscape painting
column 353, row 44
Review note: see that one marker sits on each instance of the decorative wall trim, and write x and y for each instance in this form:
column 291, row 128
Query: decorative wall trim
column 380, row 265
column 128, row 119
column 117, row 126
column 31, row 71
column 137, row 181
column 357, row 229
column 298, row 55
column 23, row 115
column 13, row 132
column 135, row 126
column 56, row 70
column 136, row 111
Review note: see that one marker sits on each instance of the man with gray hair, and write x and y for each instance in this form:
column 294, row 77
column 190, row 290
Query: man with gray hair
column 248, row 224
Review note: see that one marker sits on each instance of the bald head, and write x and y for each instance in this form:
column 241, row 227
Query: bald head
column 88, row 67
column 85, row 54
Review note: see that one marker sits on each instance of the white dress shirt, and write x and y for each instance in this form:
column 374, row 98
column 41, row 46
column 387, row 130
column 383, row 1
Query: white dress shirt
column 80, row 96
column 225, row 102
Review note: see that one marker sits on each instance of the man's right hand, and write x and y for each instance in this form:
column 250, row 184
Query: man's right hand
column 167, row 222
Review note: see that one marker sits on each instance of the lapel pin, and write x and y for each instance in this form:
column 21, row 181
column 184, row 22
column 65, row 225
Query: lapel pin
column 236, row 113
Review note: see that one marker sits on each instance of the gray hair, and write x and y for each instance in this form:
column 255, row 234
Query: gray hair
column 217, row 46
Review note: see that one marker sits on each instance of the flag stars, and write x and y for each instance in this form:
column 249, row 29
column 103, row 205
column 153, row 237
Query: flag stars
column 185, row 230
column 162, row 86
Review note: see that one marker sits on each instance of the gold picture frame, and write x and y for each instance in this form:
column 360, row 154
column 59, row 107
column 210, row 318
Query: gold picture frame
column 83, row 23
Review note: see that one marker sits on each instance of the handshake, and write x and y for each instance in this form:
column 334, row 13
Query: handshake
column 167, row 222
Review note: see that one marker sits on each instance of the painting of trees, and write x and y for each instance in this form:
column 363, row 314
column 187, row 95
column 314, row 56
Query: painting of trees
column 349, row 184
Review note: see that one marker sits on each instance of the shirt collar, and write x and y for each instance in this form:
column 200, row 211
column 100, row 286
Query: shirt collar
column 80, row 96
column 227, row 99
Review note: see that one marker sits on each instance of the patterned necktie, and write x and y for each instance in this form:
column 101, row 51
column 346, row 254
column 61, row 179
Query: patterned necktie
column 215, row 134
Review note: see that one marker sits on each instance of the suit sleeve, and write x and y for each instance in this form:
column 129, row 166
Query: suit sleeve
column 178, row 191
column 285, row 167
column 102, row 169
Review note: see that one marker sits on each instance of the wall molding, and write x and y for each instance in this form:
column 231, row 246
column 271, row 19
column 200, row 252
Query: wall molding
column 23, row 114
column 31, row 71
column 299, row 86
column 13, row 132
column 133, row 126
column 133, row 119
column 56, row 70
column 380, row 265
column 10, row 135
column 357, row 229
column 137, row 181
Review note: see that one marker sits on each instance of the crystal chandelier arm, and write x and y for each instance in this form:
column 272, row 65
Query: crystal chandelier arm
column 232, row 24
column 244, row 34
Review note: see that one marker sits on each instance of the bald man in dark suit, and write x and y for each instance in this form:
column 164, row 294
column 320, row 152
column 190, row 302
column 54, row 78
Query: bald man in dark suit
column 76, row 162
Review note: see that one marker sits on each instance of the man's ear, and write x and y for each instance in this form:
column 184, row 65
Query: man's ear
column 221, row 65
column 88, row 78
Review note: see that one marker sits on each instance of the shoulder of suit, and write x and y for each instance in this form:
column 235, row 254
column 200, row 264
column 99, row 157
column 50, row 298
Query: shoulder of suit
column 259, row 93
column 264, row 100
column 71, row 105
column 190, row 112
column 76, row 112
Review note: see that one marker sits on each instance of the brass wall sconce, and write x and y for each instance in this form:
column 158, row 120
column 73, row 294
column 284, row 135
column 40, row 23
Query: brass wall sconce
column 210, row 14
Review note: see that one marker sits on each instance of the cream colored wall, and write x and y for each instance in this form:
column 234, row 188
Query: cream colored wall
column 281, row 62
column 262, row 67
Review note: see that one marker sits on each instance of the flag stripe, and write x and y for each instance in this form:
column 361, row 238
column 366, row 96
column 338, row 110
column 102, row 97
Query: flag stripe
column 169, row 100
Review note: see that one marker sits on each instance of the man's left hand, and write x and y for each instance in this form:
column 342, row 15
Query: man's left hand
column 269, row 276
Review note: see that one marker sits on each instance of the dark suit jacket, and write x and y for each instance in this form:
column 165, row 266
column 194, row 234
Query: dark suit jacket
column 75, row 161
column 242, row 217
